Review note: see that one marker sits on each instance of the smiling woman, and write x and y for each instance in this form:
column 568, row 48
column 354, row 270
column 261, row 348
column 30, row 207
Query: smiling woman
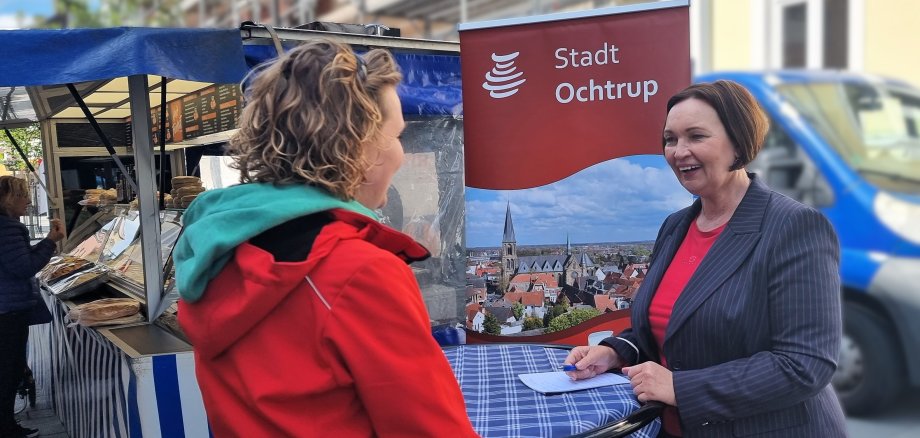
column 742, row 290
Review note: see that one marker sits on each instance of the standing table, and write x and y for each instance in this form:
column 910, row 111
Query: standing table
column 500, row 405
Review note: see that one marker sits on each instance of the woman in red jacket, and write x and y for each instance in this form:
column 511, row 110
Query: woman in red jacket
column 305, row 317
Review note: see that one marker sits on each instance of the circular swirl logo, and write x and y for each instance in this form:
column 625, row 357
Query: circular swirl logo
column 502, row 81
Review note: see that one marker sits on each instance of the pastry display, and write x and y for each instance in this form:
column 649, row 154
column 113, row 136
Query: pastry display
column 118, row 258
column 179, row 181
column 189, row 190
column 62, row 267
column 184, row 190
column 99, row 197
column 79, row 283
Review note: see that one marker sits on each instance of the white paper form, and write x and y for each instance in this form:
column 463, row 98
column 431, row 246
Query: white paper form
column 558, row 381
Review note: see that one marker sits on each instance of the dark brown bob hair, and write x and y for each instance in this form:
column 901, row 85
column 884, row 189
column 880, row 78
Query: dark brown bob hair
column 744, row 120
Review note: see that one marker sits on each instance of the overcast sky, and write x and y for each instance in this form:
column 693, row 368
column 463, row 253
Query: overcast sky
column 620, row 200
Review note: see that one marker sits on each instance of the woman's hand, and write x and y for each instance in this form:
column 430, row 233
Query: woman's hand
column 651, row 381
column 57, row 230
column 592, row 361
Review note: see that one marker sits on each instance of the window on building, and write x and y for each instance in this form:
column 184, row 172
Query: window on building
column 795, row 29
column 836, row 34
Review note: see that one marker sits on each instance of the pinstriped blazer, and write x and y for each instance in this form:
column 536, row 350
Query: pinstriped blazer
column 754, row 336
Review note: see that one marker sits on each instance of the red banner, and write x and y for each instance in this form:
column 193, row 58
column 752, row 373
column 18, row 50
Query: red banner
column 544, row 100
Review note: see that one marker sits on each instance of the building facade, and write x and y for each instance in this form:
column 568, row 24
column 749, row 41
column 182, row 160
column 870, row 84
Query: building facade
column 564, row 268
column 873, row 37
column 868, row 36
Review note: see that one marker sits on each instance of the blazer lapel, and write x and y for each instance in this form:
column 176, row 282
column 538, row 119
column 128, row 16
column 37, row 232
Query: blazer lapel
column 671, row 240
column 725, row 256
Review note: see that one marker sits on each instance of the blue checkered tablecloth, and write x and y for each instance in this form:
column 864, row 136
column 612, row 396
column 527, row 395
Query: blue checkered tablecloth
column 499, row 405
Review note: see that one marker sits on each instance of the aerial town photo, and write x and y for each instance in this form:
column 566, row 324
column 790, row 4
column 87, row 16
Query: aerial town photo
column 539, row 273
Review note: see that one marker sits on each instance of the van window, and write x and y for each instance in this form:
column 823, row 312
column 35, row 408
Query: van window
column 786, row 168
column 872, row 127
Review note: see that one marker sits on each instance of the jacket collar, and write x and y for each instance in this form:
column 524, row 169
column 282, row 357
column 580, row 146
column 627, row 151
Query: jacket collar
column 382, row 236
column 725, row 256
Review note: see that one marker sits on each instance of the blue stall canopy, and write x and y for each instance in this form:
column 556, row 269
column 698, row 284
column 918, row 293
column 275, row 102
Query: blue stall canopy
column 90, row 57
column 430, row 85
column 49, row 57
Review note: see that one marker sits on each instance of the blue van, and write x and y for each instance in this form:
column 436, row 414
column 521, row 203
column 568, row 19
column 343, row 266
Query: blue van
column 849, row 145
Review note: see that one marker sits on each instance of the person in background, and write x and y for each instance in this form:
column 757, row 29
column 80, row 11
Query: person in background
column 19, row 262
column 737, row 326
column 305, row 318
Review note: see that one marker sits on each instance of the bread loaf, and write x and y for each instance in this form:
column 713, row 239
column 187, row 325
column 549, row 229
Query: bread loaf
column 103, row 310
column 188, row 190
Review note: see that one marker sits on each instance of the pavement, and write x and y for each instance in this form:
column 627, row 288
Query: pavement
column 902, row 421
column 43, row 418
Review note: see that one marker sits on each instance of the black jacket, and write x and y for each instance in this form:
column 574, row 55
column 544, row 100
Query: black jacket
column 19, row 262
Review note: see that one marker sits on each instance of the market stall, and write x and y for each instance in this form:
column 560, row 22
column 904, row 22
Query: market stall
column 92, row 91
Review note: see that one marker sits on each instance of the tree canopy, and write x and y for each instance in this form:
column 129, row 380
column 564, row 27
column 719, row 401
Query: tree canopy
column 28, row 139
column 572, row 318
column 518, row 310
column 532, row 322
column 491, row 325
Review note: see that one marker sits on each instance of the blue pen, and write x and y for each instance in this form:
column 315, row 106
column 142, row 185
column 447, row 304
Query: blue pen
column 568, row 367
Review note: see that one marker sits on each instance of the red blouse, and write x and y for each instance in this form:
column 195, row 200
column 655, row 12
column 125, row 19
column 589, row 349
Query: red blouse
column 690, row 254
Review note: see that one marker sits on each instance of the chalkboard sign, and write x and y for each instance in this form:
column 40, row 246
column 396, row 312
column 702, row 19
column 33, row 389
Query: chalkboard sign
column 229, row 106
column 207, row 108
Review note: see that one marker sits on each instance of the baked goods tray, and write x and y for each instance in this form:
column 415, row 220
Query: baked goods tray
column 80, row 283
column 61, row 267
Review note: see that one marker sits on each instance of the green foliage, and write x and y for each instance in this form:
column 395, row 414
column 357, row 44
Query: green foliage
column 518, row 310
column 581, row 315
column 491, row 325
column 532, row 322
column 558, row 323
column 558, row 309
column 564, row 302
column 642, row 250
column 28, row 139
column 105, row 13
column 70, row 14
column 571, row 319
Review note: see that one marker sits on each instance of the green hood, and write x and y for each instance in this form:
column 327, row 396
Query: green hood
column 220, row 220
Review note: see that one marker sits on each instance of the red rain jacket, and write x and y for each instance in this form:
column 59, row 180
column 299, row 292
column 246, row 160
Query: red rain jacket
column 352, row 357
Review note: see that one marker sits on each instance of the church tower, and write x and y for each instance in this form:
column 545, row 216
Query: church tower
column 509, row 251
column 565, row 276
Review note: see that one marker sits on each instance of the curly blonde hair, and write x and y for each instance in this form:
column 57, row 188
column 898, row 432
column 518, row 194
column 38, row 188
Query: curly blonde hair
column 308, row 115
column 11, row 187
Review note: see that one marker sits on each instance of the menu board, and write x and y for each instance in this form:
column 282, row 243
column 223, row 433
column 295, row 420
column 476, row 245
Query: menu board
column 214, row 109
column 207, row 108
column 191, row 119
column 174, row 121
column 155, row 126
column 228, row 106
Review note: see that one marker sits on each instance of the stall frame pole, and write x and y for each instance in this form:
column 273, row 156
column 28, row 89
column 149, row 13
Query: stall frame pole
column 147, row 206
